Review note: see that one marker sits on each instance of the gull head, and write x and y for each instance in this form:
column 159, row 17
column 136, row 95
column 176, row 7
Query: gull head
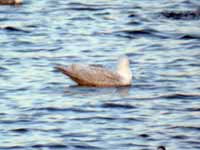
column 123, row 69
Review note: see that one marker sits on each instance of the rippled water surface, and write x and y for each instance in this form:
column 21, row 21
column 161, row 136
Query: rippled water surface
column 42, row 109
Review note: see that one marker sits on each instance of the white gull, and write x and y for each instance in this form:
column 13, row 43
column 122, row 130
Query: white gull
column 90, row 75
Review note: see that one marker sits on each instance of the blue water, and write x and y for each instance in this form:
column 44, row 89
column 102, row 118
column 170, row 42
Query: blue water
column 42, row 109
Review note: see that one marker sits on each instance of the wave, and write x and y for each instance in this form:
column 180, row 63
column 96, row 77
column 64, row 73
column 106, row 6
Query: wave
column 85, row 7
column 87, row 147
column 189, row 36
column 62, row 109
column 11, row 147
column 182, row 15
column 13, row 29
column 115, row 105
column 181, row 96
column 125, row 119
column 20, row 130
column 131, row 34
column 186, row 127
column 54, row 146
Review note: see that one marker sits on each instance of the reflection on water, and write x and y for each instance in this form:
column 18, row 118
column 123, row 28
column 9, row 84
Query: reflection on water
column 41, row 109
column 96, row 91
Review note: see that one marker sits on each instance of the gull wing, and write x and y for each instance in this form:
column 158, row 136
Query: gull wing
column 91, row 75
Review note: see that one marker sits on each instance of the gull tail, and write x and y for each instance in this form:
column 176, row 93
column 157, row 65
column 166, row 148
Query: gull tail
column 62, row 69
column 68, row 71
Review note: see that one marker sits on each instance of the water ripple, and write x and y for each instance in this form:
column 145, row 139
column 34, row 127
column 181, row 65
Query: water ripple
column 20, row 130
column 181, row 96
column 186, row 128
column 87, row 147
column 13, row 29
column 115, row 105
column 184, row 15
column 54, row 146
column 131, row 34
column 55, row 109
column 12, row 147
column 40, row 109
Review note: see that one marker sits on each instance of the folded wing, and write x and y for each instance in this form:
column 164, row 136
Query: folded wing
column 91, row 75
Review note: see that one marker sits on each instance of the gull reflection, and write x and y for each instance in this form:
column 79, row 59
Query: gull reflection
column 97, row 92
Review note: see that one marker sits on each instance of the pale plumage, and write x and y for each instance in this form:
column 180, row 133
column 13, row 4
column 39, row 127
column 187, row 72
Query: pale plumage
column 88, row 75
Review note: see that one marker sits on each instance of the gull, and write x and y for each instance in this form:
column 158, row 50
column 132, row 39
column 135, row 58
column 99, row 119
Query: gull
column 90, row 75
column 10, row 2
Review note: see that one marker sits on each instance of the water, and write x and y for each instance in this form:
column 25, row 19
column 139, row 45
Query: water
column 42, row 109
